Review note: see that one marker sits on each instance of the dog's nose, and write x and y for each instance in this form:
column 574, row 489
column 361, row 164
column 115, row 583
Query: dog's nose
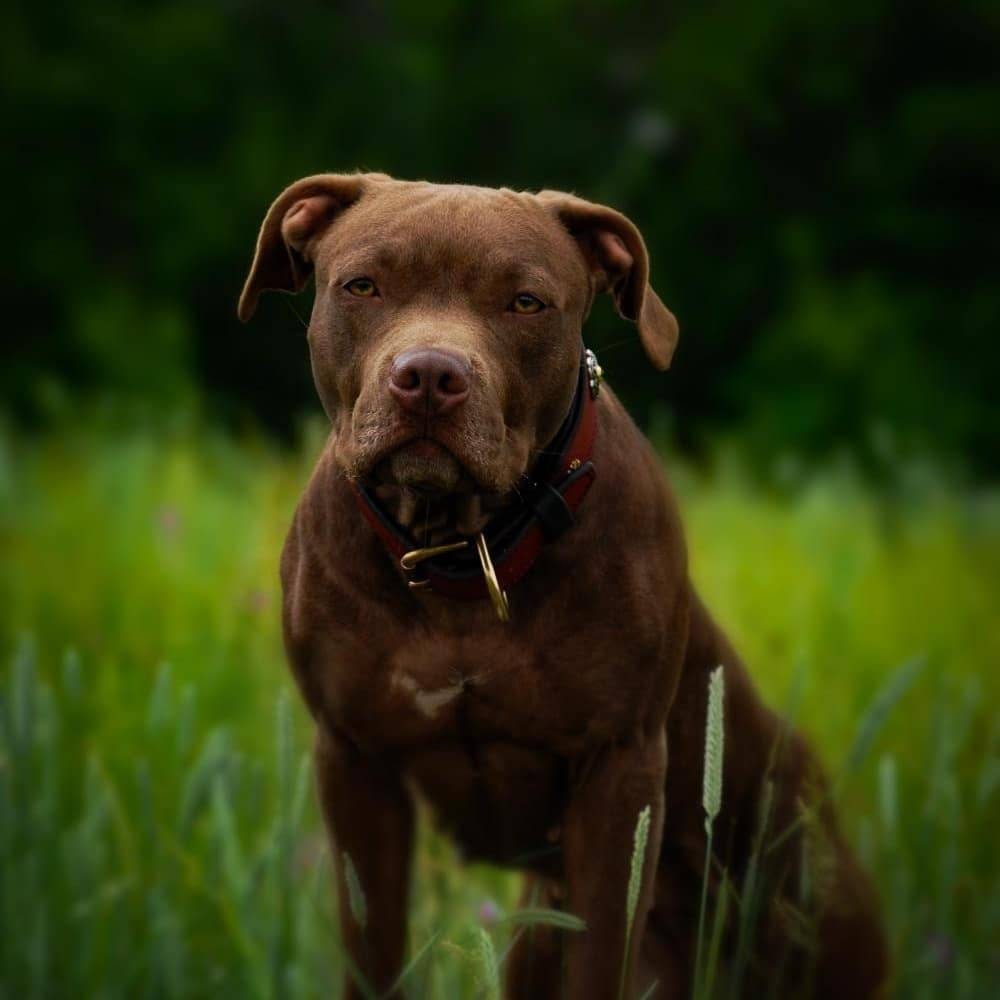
column 429, row 381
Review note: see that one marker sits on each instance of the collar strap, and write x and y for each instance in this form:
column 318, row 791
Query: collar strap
column 547, row 500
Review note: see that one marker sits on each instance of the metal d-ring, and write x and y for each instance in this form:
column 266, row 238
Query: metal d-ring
column 497, row 596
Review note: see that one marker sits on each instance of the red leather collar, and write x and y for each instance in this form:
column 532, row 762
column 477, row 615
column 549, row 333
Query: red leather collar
column 548, row 497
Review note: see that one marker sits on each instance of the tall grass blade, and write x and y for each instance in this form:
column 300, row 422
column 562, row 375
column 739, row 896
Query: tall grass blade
column 714, row 956
column 711, row 800
column 72, row 675
column 888, row 796
column 637, row 866
column 185, row 720
column 158, row 712
column 285, row 760
column 752, row 893
column 198, row 784
column 711, row 796
column 650, row 992
column 640, row 840
column 866, row 732
column 988, row 780
column 355, row 894
column 489, row 969
column 23, row 698
column 879, row 710
column 233, row 866
column 303, row 784
column 541, row 917
column 414, row 963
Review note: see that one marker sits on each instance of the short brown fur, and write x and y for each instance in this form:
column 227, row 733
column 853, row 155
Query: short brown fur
column 535, row 743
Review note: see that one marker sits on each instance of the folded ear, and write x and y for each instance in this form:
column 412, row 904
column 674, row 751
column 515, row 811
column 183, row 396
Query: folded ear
column 616, row 254
column 300, row 214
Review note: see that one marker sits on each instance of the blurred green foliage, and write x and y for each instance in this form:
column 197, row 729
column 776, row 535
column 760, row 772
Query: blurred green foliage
column 158, row 836
column 817, row 184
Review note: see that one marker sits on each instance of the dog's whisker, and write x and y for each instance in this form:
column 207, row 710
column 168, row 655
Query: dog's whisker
column 295, row 313
column 614, row 345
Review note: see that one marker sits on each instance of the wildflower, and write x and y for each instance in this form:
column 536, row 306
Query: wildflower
column 489, row 912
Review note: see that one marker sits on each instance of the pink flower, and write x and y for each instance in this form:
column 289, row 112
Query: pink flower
column 489, row 913
column 168, row 520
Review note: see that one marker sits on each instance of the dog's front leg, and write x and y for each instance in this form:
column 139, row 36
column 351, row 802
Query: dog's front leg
column 611, row 788
column 369, row 817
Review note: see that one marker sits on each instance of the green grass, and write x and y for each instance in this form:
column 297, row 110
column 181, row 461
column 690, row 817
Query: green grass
column 158, row 834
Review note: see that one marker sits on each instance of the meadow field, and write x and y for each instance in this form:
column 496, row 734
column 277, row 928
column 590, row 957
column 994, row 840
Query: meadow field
column 158, row 834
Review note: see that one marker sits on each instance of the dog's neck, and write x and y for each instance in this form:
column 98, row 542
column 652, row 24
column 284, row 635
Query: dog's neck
column 473, row 545
column 438, row 519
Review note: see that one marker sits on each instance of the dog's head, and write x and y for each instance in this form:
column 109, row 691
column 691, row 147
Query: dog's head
column 446, row 332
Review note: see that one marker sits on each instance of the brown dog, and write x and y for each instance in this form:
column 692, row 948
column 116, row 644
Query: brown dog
column 446, row 349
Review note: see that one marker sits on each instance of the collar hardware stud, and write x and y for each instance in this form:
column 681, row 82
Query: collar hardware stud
column 595, row 373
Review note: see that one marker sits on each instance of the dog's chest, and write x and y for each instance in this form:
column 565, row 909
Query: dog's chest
column 459, row 687
column 484, row 689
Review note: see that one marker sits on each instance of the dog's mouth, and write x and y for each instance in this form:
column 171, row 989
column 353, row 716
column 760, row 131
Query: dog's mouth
column 430, row 491
column 426, row 466
column 435, row 458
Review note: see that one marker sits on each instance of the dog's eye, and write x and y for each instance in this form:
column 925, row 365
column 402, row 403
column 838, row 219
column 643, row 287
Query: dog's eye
column 363, row 288
column 525, row 304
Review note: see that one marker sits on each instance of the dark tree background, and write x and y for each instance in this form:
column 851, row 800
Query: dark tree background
column 817, row 184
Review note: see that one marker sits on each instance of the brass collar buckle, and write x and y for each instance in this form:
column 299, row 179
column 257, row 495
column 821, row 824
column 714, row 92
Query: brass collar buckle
column 410, row 560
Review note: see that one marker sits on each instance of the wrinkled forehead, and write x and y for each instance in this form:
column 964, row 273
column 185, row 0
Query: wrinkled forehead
column 432, row 229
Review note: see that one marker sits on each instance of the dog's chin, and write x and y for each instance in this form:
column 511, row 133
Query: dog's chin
column 425, row 466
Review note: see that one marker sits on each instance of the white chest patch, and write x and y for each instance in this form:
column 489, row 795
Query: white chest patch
column 428, row 702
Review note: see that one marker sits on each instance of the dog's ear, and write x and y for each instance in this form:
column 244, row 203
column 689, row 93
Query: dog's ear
column 300, row 214
column 616, row 254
